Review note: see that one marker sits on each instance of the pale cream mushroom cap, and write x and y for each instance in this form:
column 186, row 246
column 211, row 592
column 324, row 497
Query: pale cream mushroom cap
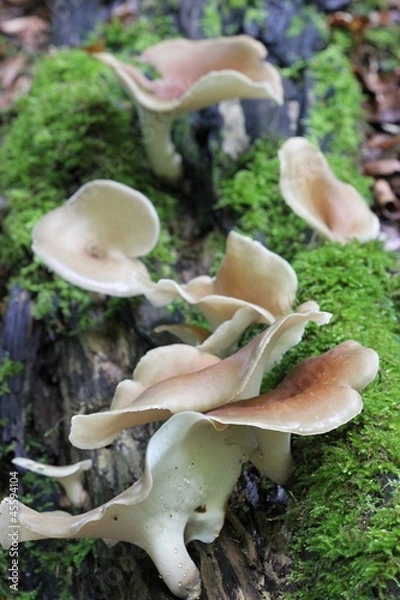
column 195, row 74
column 69, row 476
column 250, row 276
column 234, row 378
column 198, row 73
column 318, row 395
column 190, row 470
column 94, row 239
column 333, row 208
column 160, row 364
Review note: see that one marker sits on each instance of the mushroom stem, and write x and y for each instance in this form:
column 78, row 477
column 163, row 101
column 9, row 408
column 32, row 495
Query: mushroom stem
column 156, row 136
column 74, row 490
column 273, row 457
column 175, row 567
column 190, row 470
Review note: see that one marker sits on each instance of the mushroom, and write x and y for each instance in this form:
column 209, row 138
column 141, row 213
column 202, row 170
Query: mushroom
column 333, row 208
column 223, row 341
column 250, row 277
column 190, row 470
column 69, row 476
column 159, row 364
column 94, row 239
column 237, row 377
column 194, row 74
column 318, row 395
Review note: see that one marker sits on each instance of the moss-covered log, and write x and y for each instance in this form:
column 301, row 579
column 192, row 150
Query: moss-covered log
column 333, row 530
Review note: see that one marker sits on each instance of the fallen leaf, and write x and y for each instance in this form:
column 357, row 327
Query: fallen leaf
column 379, row 168
column 31, row 30
column 10, row 69
column 384, row 141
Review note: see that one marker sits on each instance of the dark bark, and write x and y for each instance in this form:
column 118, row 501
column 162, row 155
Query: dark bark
column 19, row 344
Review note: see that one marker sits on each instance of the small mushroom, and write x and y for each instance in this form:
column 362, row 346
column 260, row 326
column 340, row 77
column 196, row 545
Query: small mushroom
column 94, row 239
column 194, row 74
column 318, row 395
column 250, row 276
column 190, row 470
column 234, row 378
column 333, row 208
column 69, row 476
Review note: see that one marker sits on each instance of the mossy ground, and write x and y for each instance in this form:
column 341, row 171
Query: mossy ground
column 344, row 513
column 76, row 125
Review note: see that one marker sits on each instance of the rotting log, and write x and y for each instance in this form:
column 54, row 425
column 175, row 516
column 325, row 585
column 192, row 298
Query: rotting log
column 65, row 375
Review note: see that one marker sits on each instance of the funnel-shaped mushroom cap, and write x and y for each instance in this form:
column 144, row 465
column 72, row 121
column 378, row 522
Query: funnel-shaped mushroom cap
column 333, row 208
column 190, row 470
column 236, row 377
column 195, row 74
column 318, row 395
column 94, row 239
column 69, row 476
column 198, row 73
column 250, row 276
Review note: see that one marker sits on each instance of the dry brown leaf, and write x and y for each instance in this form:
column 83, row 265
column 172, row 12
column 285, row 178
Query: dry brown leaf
column 384, row 167
column 384, row 141
column 10, row 69
column 97, row 46
column 31, row 30
column 20, row 87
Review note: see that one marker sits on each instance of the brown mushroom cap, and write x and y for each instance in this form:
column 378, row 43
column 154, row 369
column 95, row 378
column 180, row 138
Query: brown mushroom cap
column 333, row 208
column 94, row 239
column 318, row 395
column 158, row 365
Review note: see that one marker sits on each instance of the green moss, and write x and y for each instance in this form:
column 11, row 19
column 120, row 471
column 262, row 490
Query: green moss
column 344, row 516
column 364, row 7
column 217, row 16
column 133, row 39
column 335, row 117
column 385, row 41
column 309, row 15
column 256, row 13
column 8, row 369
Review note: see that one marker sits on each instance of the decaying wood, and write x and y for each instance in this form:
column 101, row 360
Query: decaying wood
column 19, row 343
column 67, row 375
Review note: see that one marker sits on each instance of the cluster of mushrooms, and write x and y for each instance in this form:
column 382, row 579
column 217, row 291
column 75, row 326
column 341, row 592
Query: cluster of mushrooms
column 206, row 388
